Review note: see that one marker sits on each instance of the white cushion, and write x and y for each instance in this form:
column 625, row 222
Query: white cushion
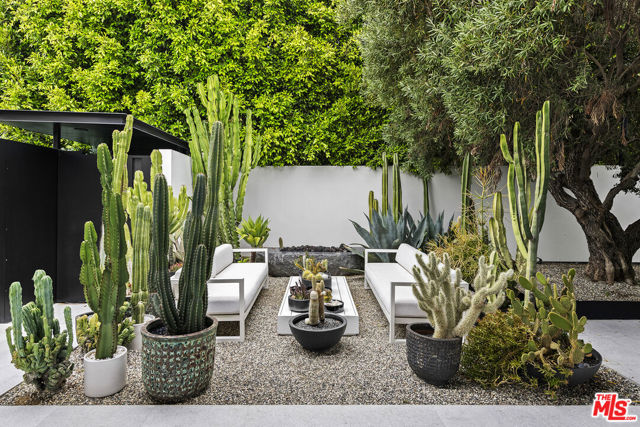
column 406, row 256
column 222, row 258
column 224, row 297
column 380, row 276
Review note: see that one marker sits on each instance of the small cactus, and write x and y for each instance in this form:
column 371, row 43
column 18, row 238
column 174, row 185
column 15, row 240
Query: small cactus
column 43, row 354
column 314, row 309
column 312, row 270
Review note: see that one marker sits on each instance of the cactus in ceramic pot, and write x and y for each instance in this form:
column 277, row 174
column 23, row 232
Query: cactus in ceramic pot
column 313, row 271
column 105, row 285
column 451, row 309
column 199, row 241
column 43, row 354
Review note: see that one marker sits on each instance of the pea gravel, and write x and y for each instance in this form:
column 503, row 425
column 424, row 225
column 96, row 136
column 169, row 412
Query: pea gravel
column 364, row 369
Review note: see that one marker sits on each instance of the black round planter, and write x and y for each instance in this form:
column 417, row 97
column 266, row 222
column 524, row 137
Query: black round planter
column 435, row 360
column 334, row 308
column 307, row 283
column 317, row 339
column 579, row 375
column 583, row 374
column 298, row 305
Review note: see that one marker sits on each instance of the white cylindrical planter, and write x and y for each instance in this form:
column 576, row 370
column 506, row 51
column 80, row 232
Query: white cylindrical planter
column 104, row 377
column 136, row 343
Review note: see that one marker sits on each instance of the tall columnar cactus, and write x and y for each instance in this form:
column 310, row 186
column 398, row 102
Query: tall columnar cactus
column 43, row 354
column 385, row 184
column 425, row 196
column 199, row 242
column 140, row 267
column 373, row 203
column 105, row 286
column 553, row 321
column 451, row 309
column 498, row 234
column 527, row 215
column 397, row 189
column 465, row 193
column 239, row 156
column 121, row 144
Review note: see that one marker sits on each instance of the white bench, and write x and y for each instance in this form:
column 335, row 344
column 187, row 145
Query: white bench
column 391, row 284
column 233, row 286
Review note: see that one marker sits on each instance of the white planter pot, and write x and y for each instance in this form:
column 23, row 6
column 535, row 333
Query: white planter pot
column 104, row 377
column 136, row 343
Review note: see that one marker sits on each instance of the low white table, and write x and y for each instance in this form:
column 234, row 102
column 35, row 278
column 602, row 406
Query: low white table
column 339, row 290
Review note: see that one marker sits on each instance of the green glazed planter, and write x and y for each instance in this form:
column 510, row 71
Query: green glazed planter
column 177, row 367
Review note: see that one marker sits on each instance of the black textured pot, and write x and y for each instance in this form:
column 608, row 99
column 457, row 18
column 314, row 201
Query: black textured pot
column 176, row 367
column 317, row 339
column 435, row 360
column 307, row 283
column 585, row 373
column 299, row 305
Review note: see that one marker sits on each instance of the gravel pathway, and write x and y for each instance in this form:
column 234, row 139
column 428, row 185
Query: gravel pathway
column 364, row 369
column 585, row 289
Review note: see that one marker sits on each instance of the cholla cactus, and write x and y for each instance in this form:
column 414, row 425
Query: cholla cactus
column 486, row 276
column 43, row 354
column 553, row 321
column 451, row 309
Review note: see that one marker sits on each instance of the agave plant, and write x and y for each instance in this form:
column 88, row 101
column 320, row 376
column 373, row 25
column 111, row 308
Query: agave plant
column 385, row 233
column 255, row 233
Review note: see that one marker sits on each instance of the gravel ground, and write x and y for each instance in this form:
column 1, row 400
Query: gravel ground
column 364, row 369
column 585, row 289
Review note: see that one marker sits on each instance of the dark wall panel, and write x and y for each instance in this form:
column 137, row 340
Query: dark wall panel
column 28, row 194
column 79, row 201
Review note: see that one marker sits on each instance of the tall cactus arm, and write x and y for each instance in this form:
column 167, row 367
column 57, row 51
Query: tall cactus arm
column 465, row 189
column 522, row 182
column 543, row 164
column 67, row 322
column 156, row 165
column 15, row 303
column 397, row 188
column 90, row 274
column 385, row 184
column 43, row 290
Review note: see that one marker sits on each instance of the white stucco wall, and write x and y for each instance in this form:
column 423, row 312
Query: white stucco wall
column 312, row 204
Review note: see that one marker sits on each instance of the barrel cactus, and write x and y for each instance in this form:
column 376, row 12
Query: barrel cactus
column 43, row 354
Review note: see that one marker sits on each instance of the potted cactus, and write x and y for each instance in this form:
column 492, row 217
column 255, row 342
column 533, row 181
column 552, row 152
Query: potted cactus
column 301, row 263
column 43, row 354
column 433, row 350
column 299, row 297
column 318, row 330
column 105, row 368
column 88, row 326
column 555, row 326
column 178, row 349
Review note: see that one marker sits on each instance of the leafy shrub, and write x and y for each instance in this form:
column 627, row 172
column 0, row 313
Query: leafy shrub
column 491, row 355
column 464, row 249
column 288, row 61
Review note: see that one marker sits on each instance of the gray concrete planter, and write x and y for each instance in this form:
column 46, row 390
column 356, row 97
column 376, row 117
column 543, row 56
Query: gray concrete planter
column 281, row 262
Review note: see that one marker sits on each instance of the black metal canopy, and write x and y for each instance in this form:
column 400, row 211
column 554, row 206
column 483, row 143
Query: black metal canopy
column 92, row 128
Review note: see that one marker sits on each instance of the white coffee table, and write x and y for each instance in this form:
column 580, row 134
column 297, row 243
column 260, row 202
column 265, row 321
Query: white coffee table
column 339, row 290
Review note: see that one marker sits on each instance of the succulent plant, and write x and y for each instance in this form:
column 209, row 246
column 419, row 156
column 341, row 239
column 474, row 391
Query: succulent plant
column 299, row 291
column 313, row 270
column 255, row 233
column 43, row 354
column 87, row 327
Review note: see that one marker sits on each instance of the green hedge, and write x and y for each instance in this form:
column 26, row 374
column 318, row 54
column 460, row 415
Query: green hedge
column 289, row 61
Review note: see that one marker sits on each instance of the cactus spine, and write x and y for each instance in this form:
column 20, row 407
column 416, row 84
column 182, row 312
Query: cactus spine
column 105, row 286
column 451, row 309
column 199, row 242
column 527, row 216
column 465, row 193
column 240, row 156
column 43, row 354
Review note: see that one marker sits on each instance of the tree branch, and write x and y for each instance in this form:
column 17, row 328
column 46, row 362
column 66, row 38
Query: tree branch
column 626, row 183
column 599, row 65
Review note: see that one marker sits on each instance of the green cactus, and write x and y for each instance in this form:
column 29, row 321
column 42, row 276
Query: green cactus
column 553, row 321
column 425, row 196
column 199, row 242
column 140, row 267
column 43, row 354
column 451, row 309
column 239, row 156
column 527, row 215
column 105, row 285
column 385, row 186
column 498, row 234
column 397, row 189
column 313, row 271
column 465, row 193
column 88, row 327
column 280, row 242
column 373, row 203
column 396, row 207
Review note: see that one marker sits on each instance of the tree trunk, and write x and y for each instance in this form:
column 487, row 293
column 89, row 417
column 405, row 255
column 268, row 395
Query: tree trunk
column 611, row 248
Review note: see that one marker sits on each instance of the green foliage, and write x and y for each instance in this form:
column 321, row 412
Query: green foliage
column 491, row 353
column 451, row 309
column 105, row 284
column 464, row 249
column 87, row 328
column 289, row 62
column 255, row 233
column 43, row 354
